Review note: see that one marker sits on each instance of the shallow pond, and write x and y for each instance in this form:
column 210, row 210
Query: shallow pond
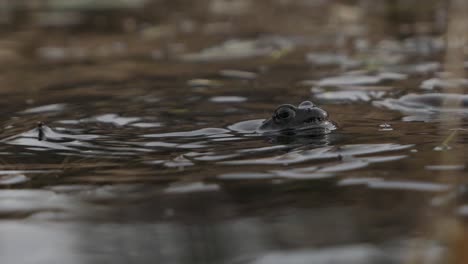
column 150, row 155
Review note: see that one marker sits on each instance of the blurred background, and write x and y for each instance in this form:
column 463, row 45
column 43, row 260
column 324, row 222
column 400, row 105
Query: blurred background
column 150, row 109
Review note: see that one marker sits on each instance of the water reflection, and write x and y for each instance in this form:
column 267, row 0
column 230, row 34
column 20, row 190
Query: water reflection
column 241, row 49
column 426, row 107
column 353, row 79
column 218, row 226
column 148, row 152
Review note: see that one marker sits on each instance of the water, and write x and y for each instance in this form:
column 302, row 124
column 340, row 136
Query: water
column 150, row 153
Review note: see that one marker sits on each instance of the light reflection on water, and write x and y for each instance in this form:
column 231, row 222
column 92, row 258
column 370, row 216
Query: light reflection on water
column 150, row 153
column 215, row 227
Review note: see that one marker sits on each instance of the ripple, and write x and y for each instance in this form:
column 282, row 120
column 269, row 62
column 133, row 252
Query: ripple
column 70, row 188
column 357, row 181
column 263, row 149
column 418, row 69
column 59, row 134
column 378, row 183
column 355, row 79
column 28, row 201
column 424, row 45
column 437, row 83
column 38, row 145
column 409, row 185
column 364, row 149
column 349, row 96
column 245, row 176
column 322, row 153
column 288, row 158
column 249, row 126
column 332, row 59
column 351, row 254
column 112, row 119
column 214, row 157
column 311, row 172
column 146, row 124
column 237, row 74
column 228, row 99
column 426, row 104
column 161, row 144
column 13, row 179
column 241, row 49
column 45, row 108
column 203, row 83
column 69, row 144
column 14, row 172
column 327, row 170
column 204, row 132
column 45, row 137
column 226, row 139
column 445, row 167
column 178, row 162
column 192, row 187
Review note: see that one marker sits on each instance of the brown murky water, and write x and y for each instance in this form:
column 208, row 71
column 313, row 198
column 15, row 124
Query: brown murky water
column 150, row 153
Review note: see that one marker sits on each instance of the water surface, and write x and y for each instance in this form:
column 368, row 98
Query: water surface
column 149, row 151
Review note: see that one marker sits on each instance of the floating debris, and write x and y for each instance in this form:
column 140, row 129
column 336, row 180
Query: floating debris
column 444, row 146
column 385, row 127
column 40, row 131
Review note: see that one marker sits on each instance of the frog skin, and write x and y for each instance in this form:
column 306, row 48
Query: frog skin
column 306, row 119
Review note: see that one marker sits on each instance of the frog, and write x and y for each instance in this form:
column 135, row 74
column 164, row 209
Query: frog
column 305, row 119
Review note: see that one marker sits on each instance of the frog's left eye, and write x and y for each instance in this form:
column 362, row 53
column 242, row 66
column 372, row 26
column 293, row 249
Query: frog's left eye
column 284, row 113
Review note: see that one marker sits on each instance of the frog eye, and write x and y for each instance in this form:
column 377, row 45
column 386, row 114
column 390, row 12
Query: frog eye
column 284, row 113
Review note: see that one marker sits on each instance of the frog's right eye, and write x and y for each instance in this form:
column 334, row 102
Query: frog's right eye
column 284, row 113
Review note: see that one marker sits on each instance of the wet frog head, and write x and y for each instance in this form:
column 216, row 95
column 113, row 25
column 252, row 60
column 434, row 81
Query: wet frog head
column 307, row 119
